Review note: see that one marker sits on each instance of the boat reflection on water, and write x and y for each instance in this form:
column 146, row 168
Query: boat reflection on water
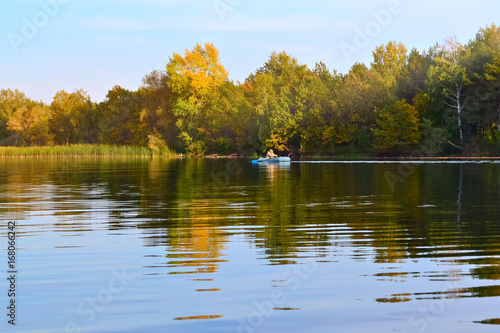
column 274, row 160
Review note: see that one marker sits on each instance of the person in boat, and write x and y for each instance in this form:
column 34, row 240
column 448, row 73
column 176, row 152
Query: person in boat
column 271, row 154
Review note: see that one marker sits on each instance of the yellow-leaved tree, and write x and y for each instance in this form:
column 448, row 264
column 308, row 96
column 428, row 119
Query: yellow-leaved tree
column 70, row 115
column 32, row 123
column 194, row 78
column 198, row 74
column 398, row 127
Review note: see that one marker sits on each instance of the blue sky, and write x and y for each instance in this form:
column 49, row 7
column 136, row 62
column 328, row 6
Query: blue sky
column 50, row 45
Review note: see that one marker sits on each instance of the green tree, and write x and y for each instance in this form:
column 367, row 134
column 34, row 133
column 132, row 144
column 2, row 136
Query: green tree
column 448, row 81
column 291, row 101
column 157, row 104
column 390, row 62
column 362, row 91
column 122, row 118
column 319, row 86
column 412, row 82
column 231, row 121
column 483, row 68
column 273, row 97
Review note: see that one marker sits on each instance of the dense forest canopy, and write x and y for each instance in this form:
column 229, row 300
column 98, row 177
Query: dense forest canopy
column 446, row 98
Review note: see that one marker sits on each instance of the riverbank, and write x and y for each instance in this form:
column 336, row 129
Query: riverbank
column 89, row 150
column 365, row 156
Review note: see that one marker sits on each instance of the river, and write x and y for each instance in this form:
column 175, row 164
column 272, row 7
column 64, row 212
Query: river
column 201, row 245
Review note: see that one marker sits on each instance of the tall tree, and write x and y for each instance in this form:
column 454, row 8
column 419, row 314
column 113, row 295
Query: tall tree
column 390, row 62
column 412, row 82
column 448, row 80
column 362, row 92
column 157, row 103
column 317, row 95
column 123, row 120
column 290, row 100
column 194, row 79
column 273, row 84
column 492, row 74
column 231, row 122
column 198, row 74
column 483, row 68
column 70, row 111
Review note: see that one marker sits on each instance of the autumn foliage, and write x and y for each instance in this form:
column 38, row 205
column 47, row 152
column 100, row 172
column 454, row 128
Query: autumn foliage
column 446, row 98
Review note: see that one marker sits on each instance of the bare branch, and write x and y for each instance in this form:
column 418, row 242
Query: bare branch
column 451, row 143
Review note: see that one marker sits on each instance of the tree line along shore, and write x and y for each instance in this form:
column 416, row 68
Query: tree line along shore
column 443, row 101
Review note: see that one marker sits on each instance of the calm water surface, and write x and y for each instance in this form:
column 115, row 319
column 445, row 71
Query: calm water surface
column 224, row 246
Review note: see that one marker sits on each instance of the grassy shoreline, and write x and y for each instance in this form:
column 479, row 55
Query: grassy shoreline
column 82, row 150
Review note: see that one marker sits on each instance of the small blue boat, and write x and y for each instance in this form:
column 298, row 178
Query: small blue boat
column 263, row 160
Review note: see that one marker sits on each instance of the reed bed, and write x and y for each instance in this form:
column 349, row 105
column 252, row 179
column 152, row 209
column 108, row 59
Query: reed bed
column 84, row 150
